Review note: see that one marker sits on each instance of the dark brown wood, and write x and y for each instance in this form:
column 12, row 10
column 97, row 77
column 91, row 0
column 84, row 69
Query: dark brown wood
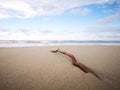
column 76, row 63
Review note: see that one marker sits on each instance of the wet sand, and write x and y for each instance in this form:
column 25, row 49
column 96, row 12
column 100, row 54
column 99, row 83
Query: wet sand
column 36, row 68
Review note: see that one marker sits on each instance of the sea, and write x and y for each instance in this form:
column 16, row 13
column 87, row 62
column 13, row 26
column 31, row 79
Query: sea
column 27, row 43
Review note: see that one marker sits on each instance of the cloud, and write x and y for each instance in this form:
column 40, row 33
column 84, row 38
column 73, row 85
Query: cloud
column 16, row 8
column 2, row 16
column 4, row 30
column 92, row 33
column 99, row 29
column 31, row 8
column 109, row 19
column 104, row 32
column 81, row 11
column 46, row 19
column 25, row 34
column 3, row 13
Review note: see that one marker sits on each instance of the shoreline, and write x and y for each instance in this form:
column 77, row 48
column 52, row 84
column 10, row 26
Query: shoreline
column 37, row 46
column 27, row 43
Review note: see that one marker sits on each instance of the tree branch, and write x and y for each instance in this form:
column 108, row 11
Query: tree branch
column 76, row 63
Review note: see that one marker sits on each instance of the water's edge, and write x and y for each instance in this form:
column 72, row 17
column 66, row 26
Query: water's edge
column 20, row 43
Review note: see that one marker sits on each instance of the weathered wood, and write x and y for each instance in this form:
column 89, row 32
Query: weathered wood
column 76, row 63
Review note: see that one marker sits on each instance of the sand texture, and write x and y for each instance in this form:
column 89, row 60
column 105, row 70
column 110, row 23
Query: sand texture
column 36, row 68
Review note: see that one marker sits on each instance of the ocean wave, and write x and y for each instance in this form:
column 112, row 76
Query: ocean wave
column 19, row 43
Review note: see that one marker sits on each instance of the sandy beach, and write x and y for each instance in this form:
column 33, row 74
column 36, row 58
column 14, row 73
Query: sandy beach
column 36, row 68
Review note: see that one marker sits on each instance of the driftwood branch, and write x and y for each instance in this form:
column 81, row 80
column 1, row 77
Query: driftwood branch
column 76, row 63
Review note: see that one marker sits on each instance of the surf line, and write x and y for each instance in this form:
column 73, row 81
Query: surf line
column 76, row 63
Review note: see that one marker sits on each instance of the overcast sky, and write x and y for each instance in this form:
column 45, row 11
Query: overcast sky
column 59, row 19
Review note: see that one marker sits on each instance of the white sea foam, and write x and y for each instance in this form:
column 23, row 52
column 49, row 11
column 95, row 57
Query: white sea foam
column 22, row 43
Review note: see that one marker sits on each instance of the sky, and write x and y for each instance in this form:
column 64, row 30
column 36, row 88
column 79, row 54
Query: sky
column 60, row 20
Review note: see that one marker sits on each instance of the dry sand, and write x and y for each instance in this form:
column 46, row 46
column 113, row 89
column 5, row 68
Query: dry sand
column 36, row 68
